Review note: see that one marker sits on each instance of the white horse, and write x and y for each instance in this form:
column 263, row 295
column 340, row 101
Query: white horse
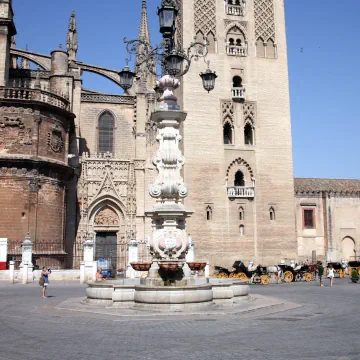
column 276, row 270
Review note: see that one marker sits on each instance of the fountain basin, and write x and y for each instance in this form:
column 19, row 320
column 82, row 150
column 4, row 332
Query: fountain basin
column 171, row 266
column 132, row 294
column 141, row 266
column 196, row 266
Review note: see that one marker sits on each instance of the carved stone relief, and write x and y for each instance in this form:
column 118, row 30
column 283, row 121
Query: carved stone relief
column 14, row 132
column 107, row 216
column 205, row 16
column 55, row 139
column 227, row 112
column 249, row 112
column 264, row 20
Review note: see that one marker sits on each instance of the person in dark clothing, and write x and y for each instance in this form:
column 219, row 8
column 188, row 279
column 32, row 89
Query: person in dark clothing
column 320, row 269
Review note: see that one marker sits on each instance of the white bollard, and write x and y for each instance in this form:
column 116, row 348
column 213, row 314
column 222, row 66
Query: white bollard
column 207, row 270
column 94, row 270
column 25, row 272
column 12, row 272
column 82, row 272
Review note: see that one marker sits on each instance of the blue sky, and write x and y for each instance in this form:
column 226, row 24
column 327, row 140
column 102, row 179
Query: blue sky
column 324, row 75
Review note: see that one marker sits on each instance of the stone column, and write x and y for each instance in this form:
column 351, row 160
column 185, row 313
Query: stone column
column 11, row 272
column 132, row 257
column 3, row 253
column 26, row 247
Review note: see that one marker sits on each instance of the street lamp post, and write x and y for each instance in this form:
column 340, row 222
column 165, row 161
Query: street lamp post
column 169, row 243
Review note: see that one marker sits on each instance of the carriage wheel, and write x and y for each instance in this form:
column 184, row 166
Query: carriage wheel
column 308, row 277
column 232, row 275
column 214, row 275
column 222, row 275
column 288, row 276
column 265, row 280
column 341, row 274
column 242, row 276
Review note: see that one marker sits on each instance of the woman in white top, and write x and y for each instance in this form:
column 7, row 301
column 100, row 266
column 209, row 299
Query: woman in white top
column 331, row 275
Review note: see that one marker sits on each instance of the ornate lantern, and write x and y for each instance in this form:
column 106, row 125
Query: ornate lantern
column 208, row 79
column 173, row 62
column 167, row 17
column 126, row 78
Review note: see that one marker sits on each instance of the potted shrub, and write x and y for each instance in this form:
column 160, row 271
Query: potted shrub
column 354, row 275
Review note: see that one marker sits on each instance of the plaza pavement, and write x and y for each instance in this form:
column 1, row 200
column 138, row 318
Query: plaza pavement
column 324, row 325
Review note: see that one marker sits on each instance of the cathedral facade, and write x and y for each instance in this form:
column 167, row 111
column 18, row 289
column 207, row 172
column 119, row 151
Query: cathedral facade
column 76, row 164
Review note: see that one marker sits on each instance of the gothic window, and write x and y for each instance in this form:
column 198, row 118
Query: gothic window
column 241, row 213
column 211, row 40
column 237, row 81
column 239, row 179
column 228, row 133
column 106, row 133
column 209, row 213
column 231, row 41
column 272, row 213
column 248, row 134
column 242, row 230
column 236, row 42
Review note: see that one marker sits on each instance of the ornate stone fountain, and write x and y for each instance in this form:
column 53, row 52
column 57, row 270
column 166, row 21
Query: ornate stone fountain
column 169, row 284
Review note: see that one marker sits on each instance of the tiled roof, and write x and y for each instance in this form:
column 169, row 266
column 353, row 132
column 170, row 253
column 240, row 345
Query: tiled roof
column 334, row 185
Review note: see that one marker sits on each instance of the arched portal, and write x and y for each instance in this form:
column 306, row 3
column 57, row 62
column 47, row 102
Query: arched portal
column 348, row 248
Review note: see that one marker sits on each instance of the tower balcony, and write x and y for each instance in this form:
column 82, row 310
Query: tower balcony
column 29, row 94
column 236, row 10
column 238, row 93
column 235, row 50
column 241, row 192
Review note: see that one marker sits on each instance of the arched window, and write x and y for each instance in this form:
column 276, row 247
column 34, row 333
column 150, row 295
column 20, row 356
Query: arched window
column 242, row 230
column 241, row 213
column 260, row 48
column 238, row 42
column 239, row 179
column 106, row 133
column 248, row 134
column 270, row 49
column 211, row 39
column 231, row 41
column 228, row 134
column 237, row 81
column 272, row 213
column 208, row 213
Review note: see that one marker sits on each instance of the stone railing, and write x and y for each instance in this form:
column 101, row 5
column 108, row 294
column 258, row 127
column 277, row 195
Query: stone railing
column 238, row 93
column 107, row 98
column 235, row 50
column 34, row 95
column 237, row 10
column 241, row 192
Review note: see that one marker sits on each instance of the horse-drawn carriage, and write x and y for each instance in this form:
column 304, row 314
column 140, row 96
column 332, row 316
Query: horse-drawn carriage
column 239, row 271
column 298, row 273
column 339, row 268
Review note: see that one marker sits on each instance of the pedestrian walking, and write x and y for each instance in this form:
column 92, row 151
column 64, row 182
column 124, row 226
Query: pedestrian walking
column 44, row 280
column 320, row 269
column 331, row 275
